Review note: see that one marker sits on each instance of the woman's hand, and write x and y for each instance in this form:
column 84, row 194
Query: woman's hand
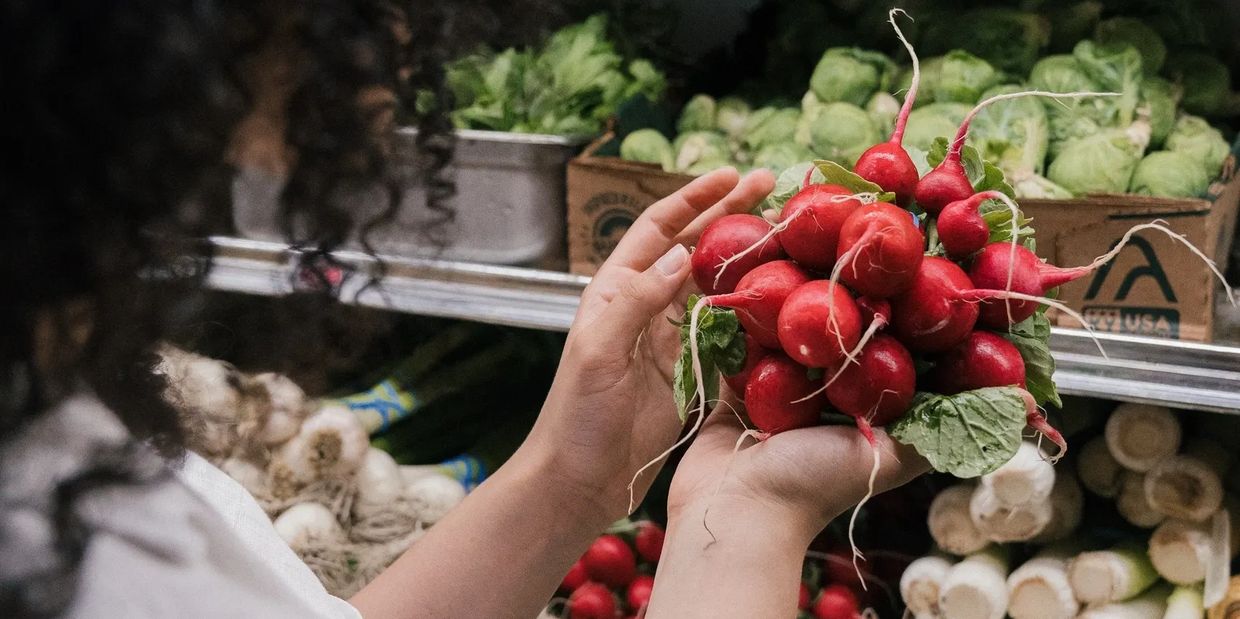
column 611, row 409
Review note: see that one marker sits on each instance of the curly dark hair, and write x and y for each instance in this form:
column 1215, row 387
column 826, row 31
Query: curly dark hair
column 124, row 118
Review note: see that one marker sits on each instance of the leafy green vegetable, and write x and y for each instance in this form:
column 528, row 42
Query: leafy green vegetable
column 770, row 126
column 721, row 348
column 837, row 131
column 1114, row 69
column 1193, row 136
column 967, row 434
column 835, row 174
column 936, row 120
column 851, row 75
column 983, row 175
column 1157, row 105
column 930, row 69
column 1009, row 39
column 1013, row 134
column 698, row 146
column 883, row 109
column 1206, row 82
column 778, row 157
column 697, row 115
column 1169, row 174
column 731, row 114
column 1120, row 31
column 1098, row 163
column 789, row 182
column 962, row 78
column 649, row 146
column 1031, row 337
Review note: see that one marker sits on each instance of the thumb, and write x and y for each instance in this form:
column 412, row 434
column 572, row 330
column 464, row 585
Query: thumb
column 644, row 296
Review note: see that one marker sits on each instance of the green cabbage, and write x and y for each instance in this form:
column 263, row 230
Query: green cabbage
column 1009, row 39
column 962, row 78
column 731, row 114
column 779, row 157
column 1196, row 139
column 698, row 115
column 1132, row 31
column 1114, row 69
column 649, row 146
column 933, row 121
column 930, row 70
column 1012, row 134
column 1099, row 163
column 770, row 126
column 1169, row 174
column 1206, row 83
column 700, row 146
column 1157, row 104
column 851, row 75
column 837, row 131
column 883, row 109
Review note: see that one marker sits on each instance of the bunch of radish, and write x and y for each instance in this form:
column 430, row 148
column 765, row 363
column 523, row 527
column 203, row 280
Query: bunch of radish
column 886, row 296
column 615, row 576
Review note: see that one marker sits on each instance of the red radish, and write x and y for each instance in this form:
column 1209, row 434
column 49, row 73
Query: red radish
column 575, row 577
column 772, row 393
column 839, row 569
column 984, row 359
column 879, row 250
column 610, row 561
column 649, row 540
column 877, row 389
column 930, row 316
column 872, row 309
column 887, row 164
column 837, row 602
column 819, row 324
column 803, row 597
column 591, row 600
column 760, row 295
column 723, row 239
column 948, row 182
column 810, row 236
column 754, row 352
column 638, row 594
column 961, row 227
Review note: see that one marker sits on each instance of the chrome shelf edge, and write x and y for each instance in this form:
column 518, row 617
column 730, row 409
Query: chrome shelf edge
column 1167, row 372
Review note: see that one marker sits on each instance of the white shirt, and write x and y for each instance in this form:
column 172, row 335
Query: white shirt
column 195, row 544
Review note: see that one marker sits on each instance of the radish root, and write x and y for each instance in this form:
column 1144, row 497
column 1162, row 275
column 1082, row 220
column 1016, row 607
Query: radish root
column 849, row 257
column 897, row 135
column 1161, row 226
column 979, row 295
column 863, row 426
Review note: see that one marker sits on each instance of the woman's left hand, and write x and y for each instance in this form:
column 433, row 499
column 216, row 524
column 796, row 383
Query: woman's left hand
column 611, row 410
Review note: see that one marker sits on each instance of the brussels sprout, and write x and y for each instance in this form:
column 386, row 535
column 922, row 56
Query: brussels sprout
column 1169, row 174
column 697, row 146
column 769, row 126
column 1099, row 163
column 837, row 131
column 851, row 75
column 1007, row 38
column 698, row 115
column 649, row 146
column 1012, row 134
column 731, row 115
column 1134, row 32
column 1196, row 139
column 883, row 109
column 1206, row 83
column 930, row 69
column 937, row 120
column 1157, row 104
column 778, row 157
column 962, row 78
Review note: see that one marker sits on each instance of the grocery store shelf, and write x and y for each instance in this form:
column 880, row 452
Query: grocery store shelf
column 1179, row 374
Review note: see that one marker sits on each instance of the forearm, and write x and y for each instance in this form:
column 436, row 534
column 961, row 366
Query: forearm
column 750, row 568
column 500, row 553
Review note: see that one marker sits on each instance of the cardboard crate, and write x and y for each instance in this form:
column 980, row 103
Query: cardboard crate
column 1155, row 287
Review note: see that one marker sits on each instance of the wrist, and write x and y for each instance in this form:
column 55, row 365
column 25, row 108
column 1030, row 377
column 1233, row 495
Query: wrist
column 790, row 525
column 543, row 478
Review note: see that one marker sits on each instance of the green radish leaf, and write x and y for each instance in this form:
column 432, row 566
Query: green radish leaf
column 999, row 219
column 721, row 349
column 967, row 434
column 836, row 174
column 992, row 178
column 789, row 183
column 1031, row 337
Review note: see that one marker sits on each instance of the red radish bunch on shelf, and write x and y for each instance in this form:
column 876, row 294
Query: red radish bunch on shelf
column 616, row 573
column 895, row 299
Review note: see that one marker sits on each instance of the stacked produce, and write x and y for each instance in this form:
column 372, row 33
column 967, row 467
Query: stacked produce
column 1140, row 141
column 1085, row 566
column 346, row 508
column 614, row 577
column 571, row 86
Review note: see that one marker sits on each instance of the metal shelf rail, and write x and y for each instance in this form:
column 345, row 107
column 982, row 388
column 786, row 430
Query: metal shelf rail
column 1168, row 372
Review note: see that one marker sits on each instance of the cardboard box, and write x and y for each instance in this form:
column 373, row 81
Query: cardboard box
column 1155, row 287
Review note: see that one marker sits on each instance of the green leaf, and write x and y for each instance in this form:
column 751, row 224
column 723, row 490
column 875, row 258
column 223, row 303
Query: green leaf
column 1032, row 338
column 999, row 219
column 836, row 174
column 967, row 434
column 721, row 348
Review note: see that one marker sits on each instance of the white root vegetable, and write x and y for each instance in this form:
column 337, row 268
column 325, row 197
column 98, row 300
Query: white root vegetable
column 304, row 523
column 206, row 394
column 287, row 404
column 1133, row 505
column 1142, row 435
column 1180, row 551
column 379, row 482
column 1001, row 523
column 1039, row 589
column 976, row 588
column 331, row 443
column 1028, row 477
column 1066, row 505
column 251, row 477
column 1184, row 487
column 1099, row 471
column 434, row 496
column 1185, row 603
column 1150, row 605
column 921, row 583
column 1111, row 575
column 949, row 522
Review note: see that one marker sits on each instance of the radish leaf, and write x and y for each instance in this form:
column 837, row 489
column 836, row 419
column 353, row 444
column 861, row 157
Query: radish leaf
column 721, row 349
column 967, row 434
column 1031, row 337
column 836, row 174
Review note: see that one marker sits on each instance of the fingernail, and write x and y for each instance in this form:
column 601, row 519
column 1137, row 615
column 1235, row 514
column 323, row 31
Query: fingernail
column 671, row 262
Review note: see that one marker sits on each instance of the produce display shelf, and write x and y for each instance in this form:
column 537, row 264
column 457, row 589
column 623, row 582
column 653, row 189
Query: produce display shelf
column 1177, row 374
